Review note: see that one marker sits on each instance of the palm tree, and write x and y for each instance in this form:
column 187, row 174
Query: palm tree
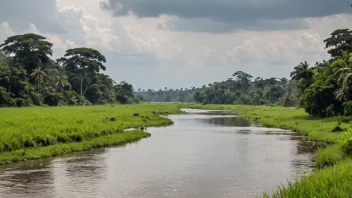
column 38, row 76
column 344, row 77
column 303, row 73
column 342, row 94
column 61, row 82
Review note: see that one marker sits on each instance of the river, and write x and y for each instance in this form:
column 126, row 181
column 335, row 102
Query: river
column 204, row 154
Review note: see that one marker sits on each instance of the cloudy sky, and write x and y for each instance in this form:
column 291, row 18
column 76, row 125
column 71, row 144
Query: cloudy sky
column 183, row 43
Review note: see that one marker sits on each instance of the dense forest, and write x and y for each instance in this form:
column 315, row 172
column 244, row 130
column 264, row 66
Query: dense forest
column 243, row 89
column 167, row 95
column 28, row 76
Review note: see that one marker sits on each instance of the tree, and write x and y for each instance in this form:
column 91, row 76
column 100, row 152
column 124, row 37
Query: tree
column 38, row 76
column 304, row 74
column 61, row 82
column 12, row 77
column 343, row 76
column 340, row 40
column 84, row 62
column 31, row 50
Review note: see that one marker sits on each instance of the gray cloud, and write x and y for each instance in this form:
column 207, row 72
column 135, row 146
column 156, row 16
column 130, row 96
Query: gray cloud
column 207, row 25
column 231, row 14
column 43, row 13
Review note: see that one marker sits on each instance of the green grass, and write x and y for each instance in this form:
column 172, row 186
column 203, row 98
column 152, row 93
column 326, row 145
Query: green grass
column 27, row 132
column 329, row 156
column 331, row 182
column 60, row 149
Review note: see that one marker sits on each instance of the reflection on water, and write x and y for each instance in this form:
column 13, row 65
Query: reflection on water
column 204, row 154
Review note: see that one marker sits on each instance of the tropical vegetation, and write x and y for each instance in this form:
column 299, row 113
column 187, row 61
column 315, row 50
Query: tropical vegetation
column 29, row 76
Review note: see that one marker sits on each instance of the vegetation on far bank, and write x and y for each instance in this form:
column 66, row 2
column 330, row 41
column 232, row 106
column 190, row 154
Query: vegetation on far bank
column 25, row 129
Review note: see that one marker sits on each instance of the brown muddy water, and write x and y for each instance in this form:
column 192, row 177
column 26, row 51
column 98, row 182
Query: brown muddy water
column 204, row 154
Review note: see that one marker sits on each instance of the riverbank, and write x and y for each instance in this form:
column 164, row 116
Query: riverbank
column 38, row 132
column 333, row 177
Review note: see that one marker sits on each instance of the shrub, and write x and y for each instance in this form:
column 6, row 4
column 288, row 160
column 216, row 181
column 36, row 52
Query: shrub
column 11, row 102
column 51, row 100
column 337, row 128
column 36, row 98
column 346, row 142
column 20, row 102
column 347, row 108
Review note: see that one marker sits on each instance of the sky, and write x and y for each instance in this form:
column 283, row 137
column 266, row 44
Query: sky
column 182, row 43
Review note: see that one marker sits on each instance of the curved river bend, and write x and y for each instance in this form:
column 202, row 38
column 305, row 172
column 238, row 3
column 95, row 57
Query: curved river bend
column 204, row 154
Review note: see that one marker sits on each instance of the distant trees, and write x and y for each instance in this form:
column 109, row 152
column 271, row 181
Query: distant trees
column 167, row 95
column 242, row 89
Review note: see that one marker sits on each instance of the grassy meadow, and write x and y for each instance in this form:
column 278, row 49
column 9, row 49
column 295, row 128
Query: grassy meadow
column 31, row 133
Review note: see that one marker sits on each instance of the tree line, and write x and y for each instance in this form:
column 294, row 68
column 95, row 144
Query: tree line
column 29, row 76
column 243, row 88
column 167, row 95
column 323, row 90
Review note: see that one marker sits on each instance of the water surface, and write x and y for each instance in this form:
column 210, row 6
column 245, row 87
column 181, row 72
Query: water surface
column 204, row 154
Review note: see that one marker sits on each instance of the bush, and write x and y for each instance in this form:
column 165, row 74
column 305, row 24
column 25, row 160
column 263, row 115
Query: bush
column 36, row 98
column 20, row 102
column 347, row 108
column 11, row 102
column 51, row 100
column 337, row 128
column 346, row 142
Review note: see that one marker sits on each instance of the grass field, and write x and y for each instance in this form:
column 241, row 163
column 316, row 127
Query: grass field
column 26, row 132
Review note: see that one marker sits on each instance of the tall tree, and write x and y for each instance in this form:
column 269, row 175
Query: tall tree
column 31, row 50
column 83, row 62
column 340, row 40
column 304, row 74
column 38, row 76
column 61, row 82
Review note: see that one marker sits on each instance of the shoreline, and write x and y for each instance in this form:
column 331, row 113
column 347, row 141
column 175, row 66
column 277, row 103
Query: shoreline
column 35, row 133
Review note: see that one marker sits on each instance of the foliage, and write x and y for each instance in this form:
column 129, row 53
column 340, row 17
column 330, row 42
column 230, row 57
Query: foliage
column 339, row 41
column 347, row 108
column 346, row 142
column 28, row 75
column 167, row 95
column 31, row 50
column 243, row 90
column 329, row 156
column 334, row 181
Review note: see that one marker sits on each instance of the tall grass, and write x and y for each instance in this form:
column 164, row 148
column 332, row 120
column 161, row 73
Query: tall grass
column 60, row 149
column 27, row 128
column 330, row 182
